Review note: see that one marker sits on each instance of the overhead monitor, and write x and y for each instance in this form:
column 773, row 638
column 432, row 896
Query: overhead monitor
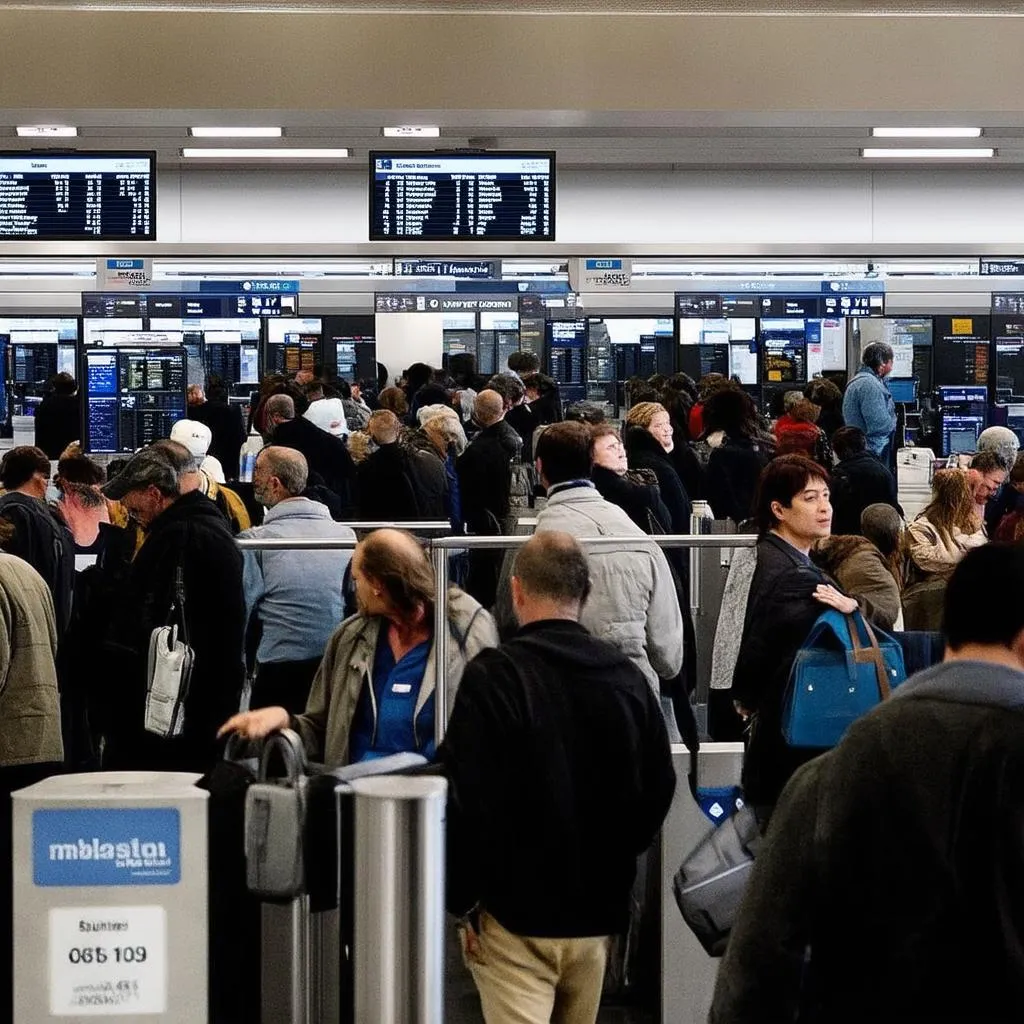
column 436, row 197
column 133, row 396
column 784, row 350
column 227, row 356
column 962, row 345
column 566, row 350
column 71, row 197
column 964, row 413
column 1008, row 334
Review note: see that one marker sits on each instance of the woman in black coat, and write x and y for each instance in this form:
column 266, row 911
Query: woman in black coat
column 640, row 501
column 735, row 465
column 649, row 445
column 787, row 594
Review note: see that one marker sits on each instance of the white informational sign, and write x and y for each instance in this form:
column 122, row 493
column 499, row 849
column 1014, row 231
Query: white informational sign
column 902, row 361
column 600, row 275
column 124, row 275
column 108, row 961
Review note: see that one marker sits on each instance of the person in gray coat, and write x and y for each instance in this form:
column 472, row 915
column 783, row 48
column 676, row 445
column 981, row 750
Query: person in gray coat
column 633, row 602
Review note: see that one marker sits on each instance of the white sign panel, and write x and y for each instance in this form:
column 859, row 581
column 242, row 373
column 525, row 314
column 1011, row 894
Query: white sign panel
column 124, row 275
column 108, row 961
column 600, row 275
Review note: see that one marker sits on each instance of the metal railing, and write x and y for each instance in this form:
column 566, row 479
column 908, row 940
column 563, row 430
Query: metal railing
column 438, row 549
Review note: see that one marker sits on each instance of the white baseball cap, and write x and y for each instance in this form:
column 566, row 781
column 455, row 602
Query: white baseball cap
column 328, row 414
column 195, row 436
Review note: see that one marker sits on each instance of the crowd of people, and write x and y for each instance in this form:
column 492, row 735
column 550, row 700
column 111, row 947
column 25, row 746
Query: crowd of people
column 594, row 646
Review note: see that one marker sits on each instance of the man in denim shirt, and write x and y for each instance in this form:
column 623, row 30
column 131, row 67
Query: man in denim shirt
column 868, row 405
column 296, row 595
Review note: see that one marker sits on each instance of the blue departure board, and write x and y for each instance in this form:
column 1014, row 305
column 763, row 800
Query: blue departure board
column 503, row 197
column 78, row 196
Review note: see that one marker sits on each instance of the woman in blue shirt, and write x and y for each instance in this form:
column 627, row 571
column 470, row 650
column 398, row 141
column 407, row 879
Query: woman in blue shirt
column 373, row 694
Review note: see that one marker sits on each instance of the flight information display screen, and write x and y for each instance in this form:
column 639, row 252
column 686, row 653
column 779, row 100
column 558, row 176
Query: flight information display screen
column 961, row 348
column 784, row 349
column 78, row 196
column 964, row 416
column 134, row 396
column 1008, row 333
column 566, row 350
column 504, row 197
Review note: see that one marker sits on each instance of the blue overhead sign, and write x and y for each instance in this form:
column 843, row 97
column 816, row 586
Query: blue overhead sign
column 603, row 264
column 126, row 264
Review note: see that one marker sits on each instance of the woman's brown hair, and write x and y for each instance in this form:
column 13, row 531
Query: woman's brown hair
column 952, row 505
column 643, row 413
column 402, row 569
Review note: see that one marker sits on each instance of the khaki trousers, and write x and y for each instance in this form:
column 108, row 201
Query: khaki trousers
column 534, row 981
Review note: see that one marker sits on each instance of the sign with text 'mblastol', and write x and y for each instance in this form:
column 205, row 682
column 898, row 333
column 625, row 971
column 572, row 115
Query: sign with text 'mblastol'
column 106, row 846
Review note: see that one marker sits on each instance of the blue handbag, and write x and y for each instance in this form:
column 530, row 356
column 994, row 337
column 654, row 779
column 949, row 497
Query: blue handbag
column 844, row 668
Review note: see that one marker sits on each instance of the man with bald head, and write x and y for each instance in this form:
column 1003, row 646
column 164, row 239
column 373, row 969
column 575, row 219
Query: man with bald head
column 560, row 776
column 296, row 595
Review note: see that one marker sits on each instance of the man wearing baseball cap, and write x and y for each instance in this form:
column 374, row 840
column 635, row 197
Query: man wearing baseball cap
column 196, row 437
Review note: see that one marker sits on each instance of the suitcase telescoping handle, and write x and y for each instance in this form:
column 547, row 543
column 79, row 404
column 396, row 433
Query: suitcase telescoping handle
column 870, row 654
column 288, row 744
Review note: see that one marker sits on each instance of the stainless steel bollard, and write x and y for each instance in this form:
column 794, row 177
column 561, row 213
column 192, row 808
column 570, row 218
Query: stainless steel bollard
column 398, row 932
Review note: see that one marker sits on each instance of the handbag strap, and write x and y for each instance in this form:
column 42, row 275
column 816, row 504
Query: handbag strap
column 870, row 654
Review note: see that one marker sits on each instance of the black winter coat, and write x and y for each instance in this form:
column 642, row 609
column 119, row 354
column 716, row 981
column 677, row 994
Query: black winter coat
column 891, row 885
column 191, row 533
column 58, row 423
column 734, row 468
column 645, row 452
column 780, row 612
column 225, row 423
column 42, row 540
column 326, row 455
column 561, row 775
column 485, row 476
column 400, row 483
column 639, row 501
column 861, row 480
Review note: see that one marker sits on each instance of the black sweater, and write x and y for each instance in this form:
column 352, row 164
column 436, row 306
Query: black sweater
column 560, row 774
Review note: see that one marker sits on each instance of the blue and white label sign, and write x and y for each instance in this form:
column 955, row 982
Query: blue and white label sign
column 123, row 274
column 106, row 846
column 600, row 275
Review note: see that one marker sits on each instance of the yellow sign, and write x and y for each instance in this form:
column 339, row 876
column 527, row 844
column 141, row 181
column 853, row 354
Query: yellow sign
column 962, row 325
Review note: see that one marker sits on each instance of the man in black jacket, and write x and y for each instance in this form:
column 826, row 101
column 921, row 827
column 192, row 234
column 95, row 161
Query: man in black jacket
column 560, row 775
column 225, row 423
column 327, row 456
column 485, row 467
column 890, row 886
column 398, row 482
column 59, row 416
column 186, row 532
column 39, row 537
column 860, row 479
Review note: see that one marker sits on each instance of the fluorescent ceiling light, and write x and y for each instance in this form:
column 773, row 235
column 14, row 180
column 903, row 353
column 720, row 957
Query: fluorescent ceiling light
column 46, row 131
column 926, row 133
column 264, row 154
column 927, row 154
column 235, row 133
column 412, row 131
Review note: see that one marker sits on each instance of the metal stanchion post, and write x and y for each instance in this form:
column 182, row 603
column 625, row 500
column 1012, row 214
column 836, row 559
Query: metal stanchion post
column 441, row 709
column 399, row 899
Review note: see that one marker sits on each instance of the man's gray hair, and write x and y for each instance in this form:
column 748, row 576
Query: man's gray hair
column 876, row 355
column 288, row 465
column 281, row 405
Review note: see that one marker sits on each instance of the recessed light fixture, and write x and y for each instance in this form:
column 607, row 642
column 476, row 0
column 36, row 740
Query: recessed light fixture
column 926, row 133
column 264, row 154
column 927, row 154
column 235, row 133
column 412, row 131
column 46, row 131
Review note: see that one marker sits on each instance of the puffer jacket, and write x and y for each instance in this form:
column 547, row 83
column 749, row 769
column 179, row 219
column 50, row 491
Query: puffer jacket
column 632, row 603
column 29, row 705
column 326, row 724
